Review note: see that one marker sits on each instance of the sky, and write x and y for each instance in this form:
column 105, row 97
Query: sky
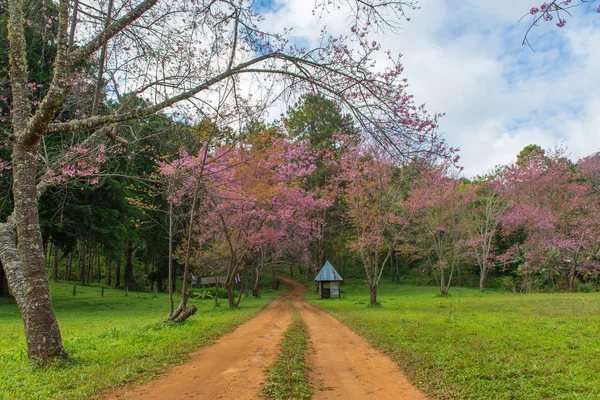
column 464, row 58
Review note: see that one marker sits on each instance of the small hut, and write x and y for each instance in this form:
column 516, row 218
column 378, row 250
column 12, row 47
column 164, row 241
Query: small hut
column 328, row 282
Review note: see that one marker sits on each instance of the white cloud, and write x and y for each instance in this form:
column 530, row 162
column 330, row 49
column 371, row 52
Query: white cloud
column 466, row 59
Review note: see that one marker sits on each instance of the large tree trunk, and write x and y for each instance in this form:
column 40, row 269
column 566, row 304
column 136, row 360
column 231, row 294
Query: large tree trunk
column 25, row 264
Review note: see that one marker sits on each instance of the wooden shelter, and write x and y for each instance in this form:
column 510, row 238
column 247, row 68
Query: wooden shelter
column 328, row 282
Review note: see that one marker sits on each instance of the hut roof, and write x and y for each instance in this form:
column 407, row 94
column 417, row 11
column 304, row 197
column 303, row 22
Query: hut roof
column 328, row 273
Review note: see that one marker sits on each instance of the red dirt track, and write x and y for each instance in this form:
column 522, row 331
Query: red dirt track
column 343, row 365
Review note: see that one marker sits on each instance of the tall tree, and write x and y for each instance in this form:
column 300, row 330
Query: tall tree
column 482, row 221
column 370, row 185
column 440, row 202
column 321, row 122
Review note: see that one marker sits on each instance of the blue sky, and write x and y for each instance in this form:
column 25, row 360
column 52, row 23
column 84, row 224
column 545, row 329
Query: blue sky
column 465, row 58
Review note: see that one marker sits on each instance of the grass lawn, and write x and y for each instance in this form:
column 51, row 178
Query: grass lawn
column 475, row 345
column 111, row 340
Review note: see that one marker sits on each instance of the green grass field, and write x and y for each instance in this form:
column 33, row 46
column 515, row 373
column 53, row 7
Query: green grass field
column 475, row 345
column 111, row 340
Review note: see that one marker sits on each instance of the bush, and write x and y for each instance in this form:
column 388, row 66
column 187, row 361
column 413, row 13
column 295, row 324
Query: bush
column 507, row 284
column 534, row 284
column 587, row 287
column 209, row 293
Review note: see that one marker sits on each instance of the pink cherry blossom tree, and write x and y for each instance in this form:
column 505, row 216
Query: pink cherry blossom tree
column 556, row 203
column 439, row 200
column 370, row 185
column 252, row 199
column 482, row 223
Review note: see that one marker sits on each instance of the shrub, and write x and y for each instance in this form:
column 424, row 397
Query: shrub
column 587, row 287
column 209, row 293
column 507, row 284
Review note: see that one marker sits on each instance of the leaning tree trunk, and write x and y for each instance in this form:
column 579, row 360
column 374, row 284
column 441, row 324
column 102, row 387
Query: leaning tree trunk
column 24, row 263
column 23, row 254
column 183, row 312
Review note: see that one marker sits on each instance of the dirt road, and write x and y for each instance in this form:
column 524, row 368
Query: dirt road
column 232, row 368
column 343, row 364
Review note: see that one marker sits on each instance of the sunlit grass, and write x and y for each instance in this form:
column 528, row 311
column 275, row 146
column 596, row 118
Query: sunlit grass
column 286, row 379
column 475, row 345
column 110, row 340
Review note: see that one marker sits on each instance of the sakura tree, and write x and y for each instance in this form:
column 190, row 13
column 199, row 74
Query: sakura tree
column 556, row 203
column 482, row 223
column 370, row 185
column 251, row 199
column 439, row 201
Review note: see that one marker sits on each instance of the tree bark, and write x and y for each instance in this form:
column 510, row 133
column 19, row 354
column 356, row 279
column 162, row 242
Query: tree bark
column 373, row 295
column 572, row 275
column 129, row 278
column 443, row 288
column 483, row 279
column 55, row 268
column 108, row 271
column 230, row 294
column 68, row 267
column 98, row 266
column 171, row 280
column 118, row 274
column 24, row 263
column 81, row 265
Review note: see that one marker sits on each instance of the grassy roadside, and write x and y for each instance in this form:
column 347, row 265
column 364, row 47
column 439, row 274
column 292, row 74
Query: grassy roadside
column 111, row 340
column 475, row 345
column 286, row 378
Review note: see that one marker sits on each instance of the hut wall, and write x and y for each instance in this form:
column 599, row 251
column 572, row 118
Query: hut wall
column 335, row 290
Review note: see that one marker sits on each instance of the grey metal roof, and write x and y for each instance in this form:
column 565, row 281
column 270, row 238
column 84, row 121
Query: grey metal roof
column 328, row 273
